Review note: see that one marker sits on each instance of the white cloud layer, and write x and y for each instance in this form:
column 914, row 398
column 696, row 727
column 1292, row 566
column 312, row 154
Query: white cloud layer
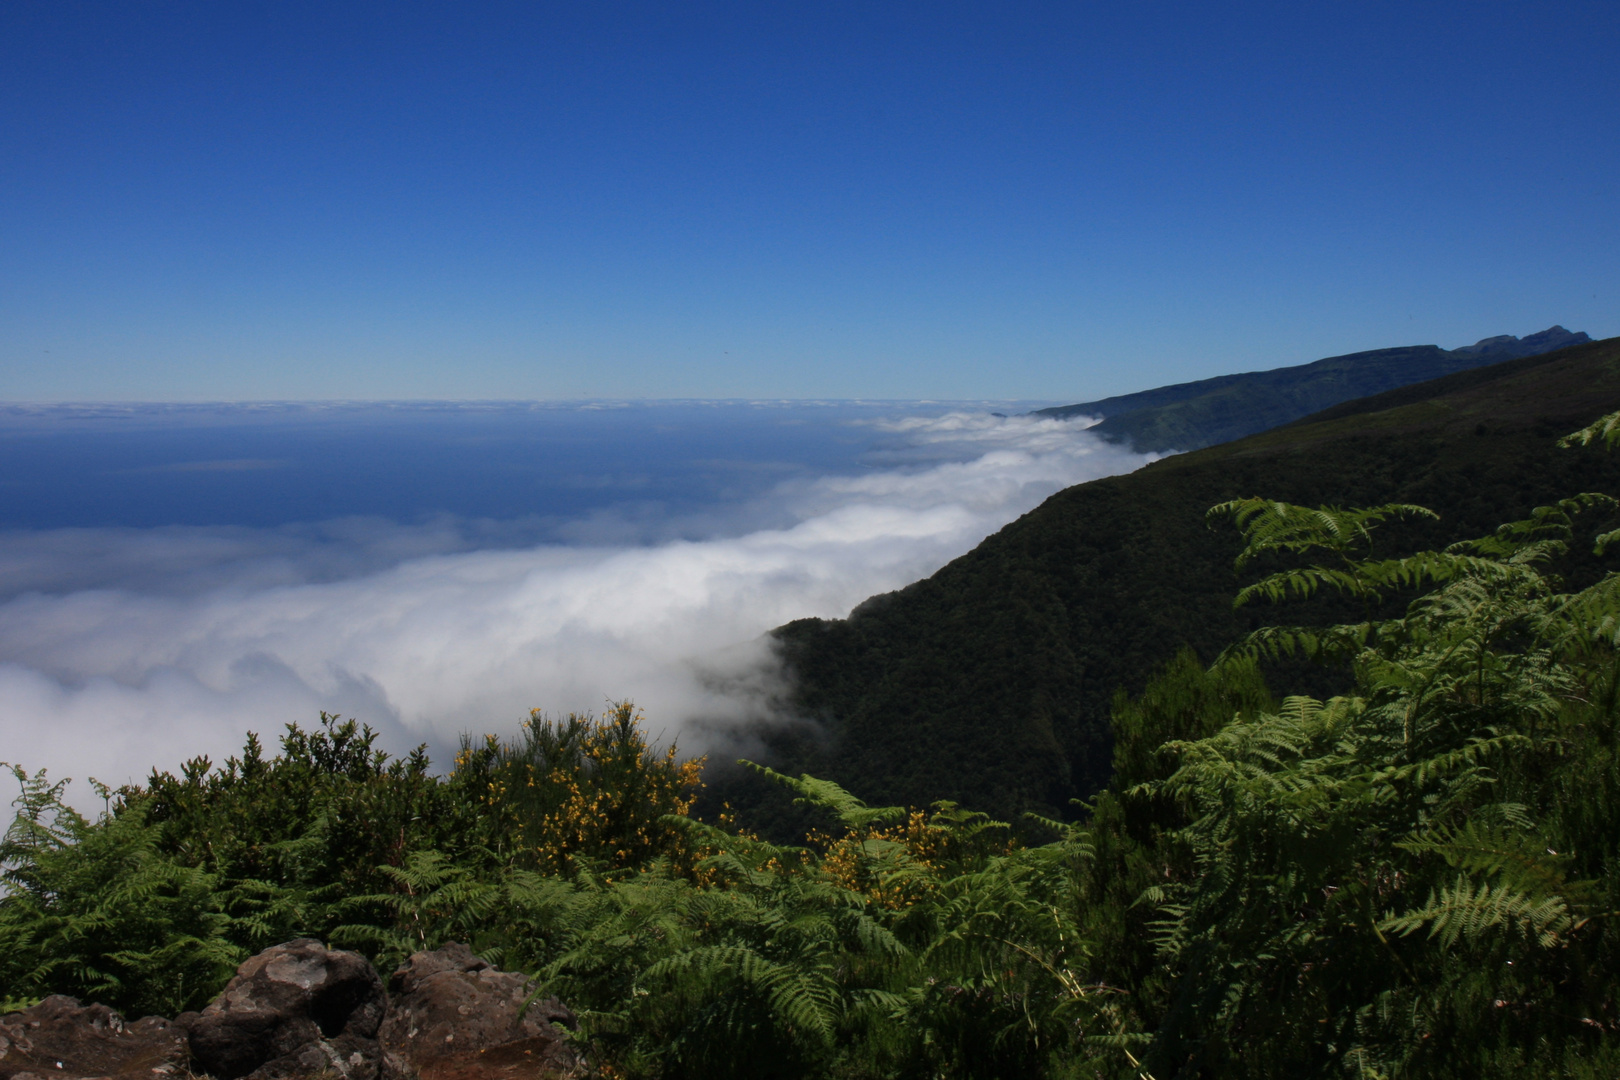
column 121, row 650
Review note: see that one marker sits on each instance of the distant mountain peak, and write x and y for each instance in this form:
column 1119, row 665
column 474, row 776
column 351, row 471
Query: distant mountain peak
column 1484, row 344
column 1554, row 337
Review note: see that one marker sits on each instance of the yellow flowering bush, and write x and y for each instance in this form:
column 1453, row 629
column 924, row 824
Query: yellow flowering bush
column 583, row 787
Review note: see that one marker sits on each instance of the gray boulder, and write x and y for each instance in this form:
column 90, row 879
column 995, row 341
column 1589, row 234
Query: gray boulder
column 295, row 1010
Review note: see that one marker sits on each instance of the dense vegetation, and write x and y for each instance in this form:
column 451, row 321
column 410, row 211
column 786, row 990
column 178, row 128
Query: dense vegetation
column 1416, row 878
column 1191, row 416
column 1015, row 650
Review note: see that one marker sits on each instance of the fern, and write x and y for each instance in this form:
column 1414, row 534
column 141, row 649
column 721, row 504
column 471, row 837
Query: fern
column 1605, row 429
column 1505, row 848
column 1470, row 909
column 825, row 795
column 1325, row 835
column 1270, row 526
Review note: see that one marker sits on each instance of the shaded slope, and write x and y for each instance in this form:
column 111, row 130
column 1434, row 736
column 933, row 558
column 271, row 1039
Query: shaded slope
column 1190, row 416
column 990, row 682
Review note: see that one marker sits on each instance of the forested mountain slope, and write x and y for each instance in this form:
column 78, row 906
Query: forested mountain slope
column 990, row 682
column 1190, row 416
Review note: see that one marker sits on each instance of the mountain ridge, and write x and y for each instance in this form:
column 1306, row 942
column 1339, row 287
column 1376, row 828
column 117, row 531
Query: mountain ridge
column 990, row 683
column 1206, row 412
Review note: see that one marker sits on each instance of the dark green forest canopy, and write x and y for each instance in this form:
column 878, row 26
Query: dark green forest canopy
column 990, row 682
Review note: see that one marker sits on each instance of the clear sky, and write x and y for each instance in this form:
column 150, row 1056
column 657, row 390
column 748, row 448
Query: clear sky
column 396, row 200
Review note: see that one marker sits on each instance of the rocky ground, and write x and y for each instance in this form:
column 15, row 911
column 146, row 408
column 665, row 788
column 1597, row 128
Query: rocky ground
column 303, row 1010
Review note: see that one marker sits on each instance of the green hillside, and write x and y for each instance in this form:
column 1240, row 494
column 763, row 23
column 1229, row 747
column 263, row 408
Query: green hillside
column 1190, row 416
column 990, row 682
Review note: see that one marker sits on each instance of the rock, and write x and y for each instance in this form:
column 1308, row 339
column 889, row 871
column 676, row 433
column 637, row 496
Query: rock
column 294, row 1010
column 60, row 1038
column 453, row 1017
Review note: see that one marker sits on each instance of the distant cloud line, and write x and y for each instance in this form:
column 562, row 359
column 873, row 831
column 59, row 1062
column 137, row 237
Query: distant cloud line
column 112, row 668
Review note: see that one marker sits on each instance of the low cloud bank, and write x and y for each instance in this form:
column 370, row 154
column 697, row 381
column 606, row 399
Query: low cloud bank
column 121, row 650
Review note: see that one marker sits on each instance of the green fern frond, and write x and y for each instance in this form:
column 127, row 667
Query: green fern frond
column 1468, row 909
column 1605, row 429
column 1277, row 526
column 1481, row 847
column 826, row 795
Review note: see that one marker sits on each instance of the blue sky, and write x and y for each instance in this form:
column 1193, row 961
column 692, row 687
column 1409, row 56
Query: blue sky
column 271, row 201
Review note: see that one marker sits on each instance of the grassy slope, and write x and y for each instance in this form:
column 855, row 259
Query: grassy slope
column 990, row 682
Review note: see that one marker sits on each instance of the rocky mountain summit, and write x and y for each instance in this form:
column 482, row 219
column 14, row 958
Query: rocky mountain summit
column 1508, row 347
column 302, row 1010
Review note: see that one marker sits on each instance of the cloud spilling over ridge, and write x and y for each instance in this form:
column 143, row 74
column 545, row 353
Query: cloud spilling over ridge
column 121, row 650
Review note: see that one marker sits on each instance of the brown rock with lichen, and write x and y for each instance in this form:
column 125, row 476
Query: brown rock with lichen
column 453, row 1017
column 59, row 1039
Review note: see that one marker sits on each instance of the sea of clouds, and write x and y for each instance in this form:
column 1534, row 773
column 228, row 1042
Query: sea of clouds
column 127, row 649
